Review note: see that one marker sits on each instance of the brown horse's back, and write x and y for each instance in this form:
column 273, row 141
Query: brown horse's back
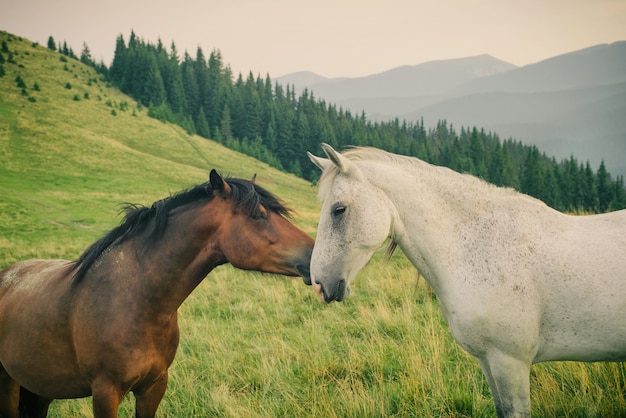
column 28, row 274
column 34, row 319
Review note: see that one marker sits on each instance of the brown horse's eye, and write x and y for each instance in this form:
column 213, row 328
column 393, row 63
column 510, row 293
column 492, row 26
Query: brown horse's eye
column 262, row 212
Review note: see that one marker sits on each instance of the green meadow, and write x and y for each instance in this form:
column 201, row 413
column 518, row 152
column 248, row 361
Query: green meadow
column 72, row 149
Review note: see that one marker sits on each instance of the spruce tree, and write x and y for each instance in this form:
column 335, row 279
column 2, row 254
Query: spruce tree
column 217, row 91
column 51, row 44
column 119, row 65
column 533, row 176
column 496, row 166
column 603, row 187
column 190, row 86
column 551, row 192
column 252, row 111
column 202, row 74
column 151, row 89
column 590, row 190
column 226, row 125
column 202, row 126
column 174, row 85
column 477, row 154
column 85, row 56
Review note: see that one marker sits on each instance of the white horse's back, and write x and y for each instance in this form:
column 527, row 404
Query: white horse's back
column 584, row 301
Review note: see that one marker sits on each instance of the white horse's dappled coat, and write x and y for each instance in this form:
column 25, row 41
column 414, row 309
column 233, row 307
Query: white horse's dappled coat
column 518, row 282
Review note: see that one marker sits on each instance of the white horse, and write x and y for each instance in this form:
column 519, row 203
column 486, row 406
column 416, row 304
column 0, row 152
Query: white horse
column 518, row 282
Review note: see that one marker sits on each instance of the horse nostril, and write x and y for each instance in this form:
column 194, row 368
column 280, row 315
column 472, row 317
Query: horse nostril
column 326, row 296
column 340, row 290
column 319, row 289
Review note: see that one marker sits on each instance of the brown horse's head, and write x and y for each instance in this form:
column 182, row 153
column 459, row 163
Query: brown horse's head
column 254, row 231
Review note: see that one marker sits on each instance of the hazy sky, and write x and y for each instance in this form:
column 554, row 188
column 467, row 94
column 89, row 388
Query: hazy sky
column 334, row 38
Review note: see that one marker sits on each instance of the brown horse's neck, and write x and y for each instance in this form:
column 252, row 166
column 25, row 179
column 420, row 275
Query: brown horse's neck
column 189, row 251
column 173, row 266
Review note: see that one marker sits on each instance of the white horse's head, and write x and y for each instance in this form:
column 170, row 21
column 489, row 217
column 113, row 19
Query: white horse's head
column 355, row 220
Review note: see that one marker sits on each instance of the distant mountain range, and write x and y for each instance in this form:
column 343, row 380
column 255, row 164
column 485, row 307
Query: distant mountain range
column 571, row 104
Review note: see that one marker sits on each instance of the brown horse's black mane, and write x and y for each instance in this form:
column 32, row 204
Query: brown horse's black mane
column 246, row 195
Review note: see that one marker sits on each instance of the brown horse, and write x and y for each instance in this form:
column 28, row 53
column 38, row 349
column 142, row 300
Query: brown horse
column 106, row 324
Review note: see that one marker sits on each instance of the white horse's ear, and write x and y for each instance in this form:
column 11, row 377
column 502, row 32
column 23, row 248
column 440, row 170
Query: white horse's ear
column 343, row 164
column 321, row 163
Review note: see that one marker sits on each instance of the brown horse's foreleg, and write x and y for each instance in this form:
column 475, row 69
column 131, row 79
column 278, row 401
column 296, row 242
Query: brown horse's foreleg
column 148, row 399
column 33, row 406
column 106, row 399
column 9, row 395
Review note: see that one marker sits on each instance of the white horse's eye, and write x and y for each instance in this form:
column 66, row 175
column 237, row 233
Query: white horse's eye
column 338, row 210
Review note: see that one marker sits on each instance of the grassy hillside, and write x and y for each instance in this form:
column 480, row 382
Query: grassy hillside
column 251, row 344
column 69, row 156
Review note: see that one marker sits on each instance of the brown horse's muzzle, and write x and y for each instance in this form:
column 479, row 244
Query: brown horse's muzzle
column 305, row 272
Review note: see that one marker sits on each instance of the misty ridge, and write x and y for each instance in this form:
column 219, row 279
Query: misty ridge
column 571, row 104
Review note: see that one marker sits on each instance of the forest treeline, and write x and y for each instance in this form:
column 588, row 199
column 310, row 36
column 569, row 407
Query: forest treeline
column 274, row 124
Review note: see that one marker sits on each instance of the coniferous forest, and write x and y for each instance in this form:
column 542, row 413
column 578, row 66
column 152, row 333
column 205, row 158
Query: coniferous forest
column 274, row 124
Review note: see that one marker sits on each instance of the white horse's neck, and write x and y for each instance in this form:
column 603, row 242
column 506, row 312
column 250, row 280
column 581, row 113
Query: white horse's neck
column 437, row 205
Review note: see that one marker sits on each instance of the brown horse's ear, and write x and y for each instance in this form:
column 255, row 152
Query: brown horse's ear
column 220, row 187
column 253, row 178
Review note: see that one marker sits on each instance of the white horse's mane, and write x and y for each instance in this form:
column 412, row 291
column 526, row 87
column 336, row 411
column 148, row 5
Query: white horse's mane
column 357, row 154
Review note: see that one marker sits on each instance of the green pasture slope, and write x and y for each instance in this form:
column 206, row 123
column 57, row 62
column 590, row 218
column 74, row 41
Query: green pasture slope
column 252, row 345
